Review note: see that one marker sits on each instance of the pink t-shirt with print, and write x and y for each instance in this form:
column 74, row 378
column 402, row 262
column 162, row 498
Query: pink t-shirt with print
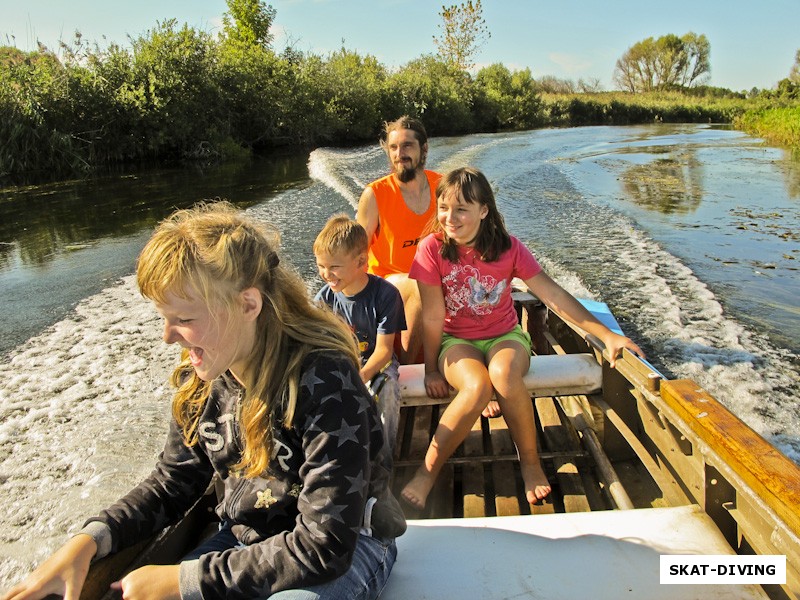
column 477, row 294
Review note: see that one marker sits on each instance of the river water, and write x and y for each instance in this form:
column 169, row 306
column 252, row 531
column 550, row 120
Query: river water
column 689, row 232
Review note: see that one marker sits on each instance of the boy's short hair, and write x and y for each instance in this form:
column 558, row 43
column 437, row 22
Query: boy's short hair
column 341, row 234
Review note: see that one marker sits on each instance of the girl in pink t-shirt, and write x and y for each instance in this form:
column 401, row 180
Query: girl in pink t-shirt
column 471, row 338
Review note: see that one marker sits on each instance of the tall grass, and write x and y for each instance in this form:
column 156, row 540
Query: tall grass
column 623, row 108
column 778, row 125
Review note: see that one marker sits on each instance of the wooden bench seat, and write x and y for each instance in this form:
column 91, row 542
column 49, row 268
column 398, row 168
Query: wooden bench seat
column 549, row 375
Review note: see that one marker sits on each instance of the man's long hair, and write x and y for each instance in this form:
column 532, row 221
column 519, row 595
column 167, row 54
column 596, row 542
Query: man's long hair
column 407, row 122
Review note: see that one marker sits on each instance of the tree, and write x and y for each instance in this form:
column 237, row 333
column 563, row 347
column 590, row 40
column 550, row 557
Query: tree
column 550, row 84
column 592, row 85
column 693, row 67
column 248, row 21
column 463, row 32
column 669, row 61
column 506, row 100
column 172, row 88
column 794, row 74
column 435, row 91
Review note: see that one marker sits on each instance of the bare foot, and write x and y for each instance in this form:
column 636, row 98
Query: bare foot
column 536, row 485
column 416, row 491
column 492, row 409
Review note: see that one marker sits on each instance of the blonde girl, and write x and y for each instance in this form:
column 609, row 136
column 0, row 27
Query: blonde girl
column 270, row 402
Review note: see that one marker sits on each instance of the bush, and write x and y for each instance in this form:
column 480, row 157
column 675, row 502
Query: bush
column 433, row 91
column 506, row 100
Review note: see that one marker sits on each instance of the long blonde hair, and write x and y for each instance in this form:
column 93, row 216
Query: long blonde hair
column 215, row 251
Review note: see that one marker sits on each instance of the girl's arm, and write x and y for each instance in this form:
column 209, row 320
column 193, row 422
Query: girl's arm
column 567, row 307
column 180, row 477
column 62, row 574
column 432, row 324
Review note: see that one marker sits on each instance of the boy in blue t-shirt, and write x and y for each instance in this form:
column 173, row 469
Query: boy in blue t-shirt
column 371, row 306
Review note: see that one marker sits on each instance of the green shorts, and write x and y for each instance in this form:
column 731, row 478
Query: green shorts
column 515, row 335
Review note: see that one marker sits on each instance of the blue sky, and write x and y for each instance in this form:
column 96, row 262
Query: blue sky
column 753, row 44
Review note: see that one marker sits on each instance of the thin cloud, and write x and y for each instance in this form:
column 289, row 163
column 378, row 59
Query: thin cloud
column 570, row 63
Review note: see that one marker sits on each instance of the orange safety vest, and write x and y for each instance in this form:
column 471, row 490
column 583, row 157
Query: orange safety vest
column 394, row 243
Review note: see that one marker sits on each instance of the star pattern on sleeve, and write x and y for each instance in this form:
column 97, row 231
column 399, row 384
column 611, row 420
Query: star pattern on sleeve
column 312, row 425
column 347, row 433
column 316, row 531
column 357, row 484
column 310, row 380
column 332, row 398
column 346, row 379
column 330, row 512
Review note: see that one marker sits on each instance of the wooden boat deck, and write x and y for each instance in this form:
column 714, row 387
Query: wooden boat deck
column 482, row 479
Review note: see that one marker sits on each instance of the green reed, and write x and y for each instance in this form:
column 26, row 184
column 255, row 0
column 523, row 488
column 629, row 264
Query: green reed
column 777, row 125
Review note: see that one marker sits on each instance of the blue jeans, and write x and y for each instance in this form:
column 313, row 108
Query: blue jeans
column 365, row 579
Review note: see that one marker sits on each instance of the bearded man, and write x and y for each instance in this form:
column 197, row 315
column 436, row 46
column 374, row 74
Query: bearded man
column 396, row 210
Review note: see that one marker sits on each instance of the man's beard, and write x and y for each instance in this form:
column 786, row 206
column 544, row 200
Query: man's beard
column 406, row 174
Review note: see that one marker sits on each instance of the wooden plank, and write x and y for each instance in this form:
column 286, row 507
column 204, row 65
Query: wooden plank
column 666, row 482
column 761, row 466
column 405, row 420
column 421, row 433
column 500, row 436
column 556, row 437
column 440, row 500
column 474, row 485
column 505, row 490
column 638, row 372
column 574, row 411
column 503, row 475
column 679, row 476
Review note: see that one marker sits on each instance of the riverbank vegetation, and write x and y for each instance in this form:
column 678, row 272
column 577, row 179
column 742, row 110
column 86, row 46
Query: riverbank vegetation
column 778, row 121
column 780, row 126
column 177, row 93
column 625, row 108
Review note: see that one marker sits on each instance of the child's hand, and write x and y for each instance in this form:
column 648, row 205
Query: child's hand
column 436, row 385
column 150, row 582
column 63, row 574
column 614, row 345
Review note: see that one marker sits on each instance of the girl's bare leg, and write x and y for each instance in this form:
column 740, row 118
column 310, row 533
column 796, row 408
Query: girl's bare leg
column 463, row 367
column 508, row 363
